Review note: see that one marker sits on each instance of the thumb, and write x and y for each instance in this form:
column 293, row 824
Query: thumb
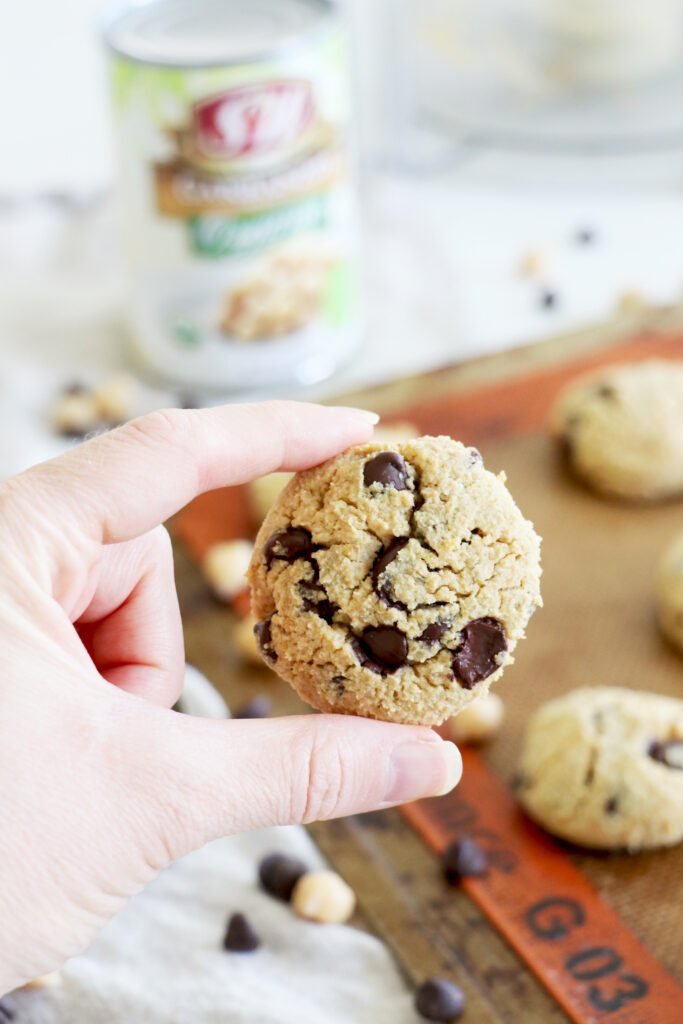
column 211, row 778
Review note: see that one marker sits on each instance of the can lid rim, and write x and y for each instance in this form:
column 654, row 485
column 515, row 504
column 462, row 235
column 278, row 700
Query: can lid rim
column 117, row 10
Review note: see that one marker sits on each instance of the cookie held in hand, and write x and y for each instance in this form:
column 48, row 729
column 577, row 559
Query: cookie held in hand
column 394, row 583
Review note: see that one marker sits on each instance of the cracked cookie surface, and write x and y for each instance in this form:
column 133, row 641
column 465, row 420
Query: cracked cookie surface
column 603, row 768
column 622, row 429
column 394, row 583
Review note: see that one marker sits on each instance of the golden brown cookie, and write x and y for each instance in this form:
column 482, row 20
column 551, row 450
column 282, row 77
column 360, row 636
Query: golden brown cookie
column 394, row 584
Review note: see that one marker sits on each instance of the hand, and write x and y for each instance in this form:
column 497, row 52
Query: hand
column 102, row 785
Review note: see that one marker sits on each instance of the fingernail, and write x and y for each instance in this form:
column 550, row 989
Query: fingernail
column 371, row 417
column 422, row 769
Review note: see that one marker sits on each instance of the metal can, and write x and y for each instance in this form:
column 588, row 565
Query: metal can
column 237, row 188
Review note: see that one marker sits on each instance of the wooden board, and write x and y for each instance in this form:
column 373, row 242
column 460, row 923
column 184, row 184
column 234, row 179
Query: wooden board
column 597, row 626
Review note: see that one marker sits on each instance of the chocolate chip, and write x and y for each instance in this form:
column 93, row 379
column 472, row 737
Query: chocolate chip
column 475, row 658
column 264, row 638
column 463, row 859
column 548, row 299
column 475, row 456
column 606, row 391
column 8, row 1009
column 440, row 1000
column 288, row 545
column 339, row 684
column 387, row 556
column 670, row 753
column 257, row 707
column 316, row 600
column 381, row 648
column 434, row 632
column 75, row 387
column 586, row 236
column 240, row 936
column 388, row 469
column 279, row 874
column 612, row 805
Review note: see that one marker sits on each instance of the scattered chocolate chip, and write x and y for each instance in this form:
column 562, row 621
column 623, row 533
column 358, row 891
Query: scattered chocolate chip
column 240, row 936
column 279, row 874
column 475, row 658
column 475, row 456
column 264, row 638
column 257, row 707
column 388, row 469
column 75, row 387
column 387, row 556
column 606, row 391
column 288, row 545
column 316, row 600
column 440, row 1000
column 670, row 753
column 586, row 236
column 8, row 1009
column 548, row 299
column 463, row 858
column 381, row 648
column 612, row 805
column 434, row 632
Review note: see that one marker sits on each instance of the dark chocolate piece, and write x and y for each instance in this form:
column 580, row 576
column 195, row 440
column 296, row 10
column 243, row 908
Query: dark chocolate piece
column 669, row 753
column 288, row 545
column 264, row 639
column 440, row 1000
column 279, row 874
column 463, row 858
column 315, row 599
column 434, row 632
column 475, row 658
column 612, row 805
column 388, row 469
column 384, row 648
column 385, row 558
column 240, row 936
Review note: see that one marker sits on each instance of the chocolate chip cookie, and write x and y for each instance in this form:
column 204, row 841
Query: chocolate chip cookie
column 670, row 593
column 621, row 430
column 394, row 583
column 603, row 768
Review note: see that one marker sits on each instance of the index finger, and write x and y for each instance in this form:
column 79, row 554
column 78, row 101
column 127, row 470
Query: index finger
column 124, row 483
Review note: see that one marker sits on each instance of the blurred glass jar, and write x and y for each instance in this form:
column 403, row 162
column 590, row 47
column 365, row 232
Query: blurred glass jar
column 579, row 75
column 237, row 189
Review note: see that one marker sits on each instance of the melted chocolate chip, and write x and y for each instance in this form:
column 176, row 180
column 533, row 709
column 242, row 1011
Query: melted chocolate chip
column 288, row 545
column 240, row 936
column 382, row 649
column 316, row 600
column 670, row 753
column 434, row 632
column 279, row 874
column 388, row 469
column 463, row 859
column 440, row 1000
column 612, row 805
column 475, row 658
column 264, row 639
column 385, row 558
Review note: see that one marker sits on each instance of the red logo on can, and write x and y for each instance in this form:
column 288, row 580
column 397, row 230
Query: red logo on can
column 252, row 119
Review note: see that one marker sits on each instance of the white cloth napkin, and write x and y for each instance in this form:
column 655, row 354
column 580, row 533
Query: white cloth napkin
column 161, row 961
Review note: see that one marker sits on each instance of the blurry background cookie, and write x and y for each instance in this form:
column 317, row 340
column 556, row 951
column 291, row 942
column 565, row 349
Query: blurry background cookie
column 622, row 429
column 603, row 768
column 670, row 593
